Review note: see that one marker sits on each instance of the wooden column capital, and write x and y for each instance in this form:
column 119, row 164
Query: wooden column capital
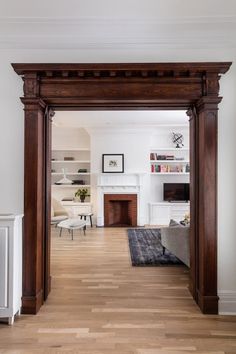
column 208, row 103
column 33, row 103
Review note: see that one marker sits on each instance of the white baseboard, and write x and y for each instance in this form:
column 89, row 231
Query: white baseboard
column 227, row 303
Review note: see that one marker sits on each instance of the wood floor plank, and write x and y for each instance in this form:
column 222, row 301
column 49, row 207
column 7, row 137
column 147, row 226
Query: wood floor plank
column 100, row 304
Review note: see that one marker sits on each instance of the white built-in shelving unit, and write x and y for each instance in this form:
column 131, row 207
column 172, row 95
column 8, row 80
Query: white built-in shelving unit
column 160, row 212
column 80, row 159
column 175, row 166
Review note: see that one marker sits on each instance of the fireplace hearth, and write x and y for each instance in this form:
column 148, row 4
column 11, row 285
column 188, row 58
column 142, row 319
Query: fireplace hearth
column 120, row 210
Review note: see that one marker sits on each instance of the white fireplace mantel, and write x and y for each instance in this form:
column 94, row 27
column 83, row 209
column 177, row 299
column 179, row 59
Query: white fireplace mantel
column 122, row 183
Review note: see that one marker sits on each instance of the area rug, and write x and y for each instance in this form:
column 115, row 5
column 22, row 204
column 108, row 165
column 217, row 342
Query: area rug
column 146, row 248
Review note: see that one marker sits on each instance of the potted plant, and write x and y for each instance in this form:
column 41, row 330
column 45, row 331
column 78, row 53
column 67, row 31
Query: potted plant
column 82, row 193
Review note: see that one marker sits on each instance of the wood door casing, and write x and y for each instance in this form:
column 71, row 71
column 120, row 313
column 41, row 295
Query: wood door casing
column 120, row 87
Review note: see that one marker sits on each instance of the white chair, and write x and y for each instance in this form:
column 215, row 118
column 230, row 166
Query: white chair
column 58, row 213
column 72, row 224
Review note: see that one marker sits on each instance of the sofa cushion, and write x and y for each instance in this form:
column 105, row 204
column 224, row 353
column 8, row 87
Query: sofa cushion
column 176, row 239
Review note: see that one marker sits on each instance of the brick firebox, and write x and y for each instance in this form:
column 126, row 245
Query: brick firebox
column 120, row 209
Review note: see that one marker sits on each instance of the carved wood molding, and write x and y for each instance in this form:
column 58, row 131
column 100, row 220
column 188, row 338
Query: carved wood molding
column 125, row 86
column 33, row 103
column 208, row 103
column 124, row 70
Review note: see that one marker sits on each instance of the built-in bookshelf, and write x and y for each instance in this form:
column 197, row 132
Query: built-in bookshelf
column 169, row 161
column 75, row 165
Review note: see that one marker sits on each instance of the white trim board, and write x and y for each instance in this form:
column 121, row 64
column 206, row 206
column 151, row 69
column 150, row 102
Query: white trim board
column 227, row 303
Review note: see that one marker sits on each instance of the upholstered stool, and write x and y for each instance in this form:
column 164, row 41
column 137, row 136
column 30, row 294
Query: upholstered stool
column 71, row 225
column 85, row 215
column 55, row 220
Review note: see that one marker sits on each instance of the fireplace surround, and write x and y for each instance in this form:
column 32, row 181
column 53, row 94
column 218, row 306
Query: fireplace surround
column 128, row 185
column 120, row 210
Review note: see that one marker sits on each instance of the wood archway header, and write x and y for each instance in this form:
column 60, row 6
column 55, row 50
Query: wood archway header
column 190, row 86
column 121, row 86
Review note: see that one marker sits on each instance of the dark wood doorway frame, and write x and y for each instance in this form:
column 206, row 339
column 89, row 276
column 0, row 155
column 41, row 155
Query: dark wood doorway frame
column 190, row 86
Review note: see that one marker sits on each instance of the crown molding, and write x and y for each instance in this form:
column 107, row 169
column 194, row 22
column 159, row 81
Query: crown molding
column 113, row 33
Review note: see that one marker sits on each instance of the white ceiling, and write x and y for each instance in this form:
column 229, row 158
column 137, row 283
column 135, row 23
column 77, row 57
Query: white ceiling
column 121, row 119
column 82, row 24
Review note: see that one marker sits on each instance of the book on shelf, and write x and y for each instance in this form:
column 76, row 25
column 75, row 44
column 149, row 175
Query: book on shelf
column 155, row 168
column 165, row 168
column 170, row 157
column 152, row 156
column 155, row 156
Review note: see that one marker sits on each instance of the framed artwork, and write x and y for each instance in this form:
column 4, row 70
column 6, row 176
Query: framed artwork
column 113, row 163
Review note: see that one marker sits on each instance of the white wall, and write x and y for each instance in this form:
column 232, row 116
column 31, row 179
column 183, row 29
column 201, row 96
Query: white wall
column 11, row 135
column 134, row 144
column 69, row 138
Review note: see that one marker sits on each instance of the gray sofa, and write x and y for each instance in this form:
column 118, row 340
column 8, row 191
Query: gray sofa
column 176, row 240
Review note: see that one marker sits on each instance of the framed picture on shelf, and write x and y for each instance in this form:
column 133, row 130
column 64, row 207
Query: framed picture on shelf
column 113, row 163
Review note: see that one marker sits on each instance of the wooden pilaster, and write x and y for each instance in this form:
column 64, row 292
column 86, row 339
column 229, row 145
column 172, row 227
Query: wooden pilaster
column 33, row 251
column 206, row 175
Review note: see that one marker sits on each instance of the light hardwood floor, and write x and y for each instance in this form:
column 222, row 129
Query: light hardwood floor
column 100, row 304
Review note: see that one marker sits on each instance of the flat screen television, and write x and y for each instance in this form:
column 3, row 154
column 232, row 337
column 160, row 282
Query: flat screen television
column 176, row 192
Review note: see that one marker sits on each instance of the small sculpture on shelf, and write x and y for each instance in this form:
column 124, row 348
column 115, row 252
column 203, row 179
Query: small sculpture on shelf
column 82, row 193
column 64, row 180
column 178, row 139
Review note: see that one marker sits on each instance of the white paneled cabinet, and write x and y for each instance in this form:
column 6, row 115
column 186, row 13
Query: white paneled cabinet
column 74, row 209
column 161, row 213
column 10, row 266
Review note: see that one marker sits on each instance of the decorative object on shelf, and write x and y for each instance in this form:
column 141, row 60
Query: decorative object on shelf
column 187, row 168
column 82, row 193
column 69, row 158
column 186, row 220
column 64, row 180
column 53, row 170
column 82, row 170
column 113, row 163
column 78, row 181
column 178, row 139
